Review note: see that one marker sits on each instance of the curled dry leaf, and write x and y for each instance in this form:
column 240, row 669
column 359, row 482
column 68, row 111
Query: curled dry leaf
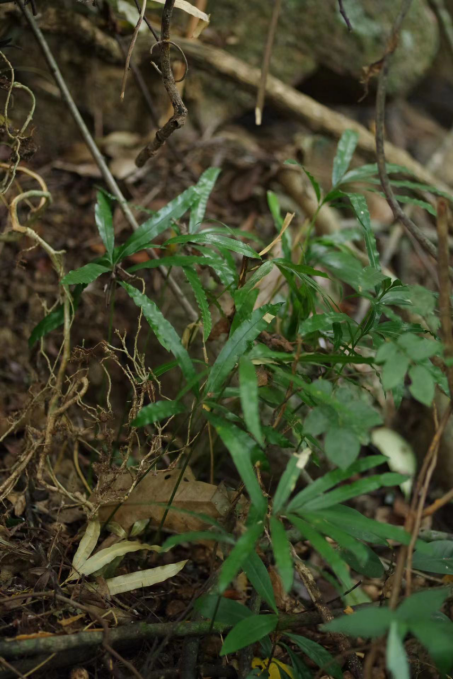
column 105, row 556
column 149, row 499
column 86, row 545
column 195, row 12
column 151, row 576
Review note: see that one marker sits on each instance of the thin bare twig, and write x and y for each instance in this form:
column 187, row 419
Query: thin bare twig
column 107, row 175
column 399, row 214
column 266, row 61
column 180, row 112
column 344, row 15
column 438, row 504
column 131, row 48
column 421, row 490
column 444, row 279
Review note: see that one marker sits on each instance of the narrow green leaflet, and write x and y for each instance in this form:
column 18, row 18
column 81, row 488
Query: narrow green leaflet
column 437, row 638
column 345, row 150
column 154, row 412
column 358, row 525
column 366, row 171
column 332, row 558
column 342, row 446
column 416, row 186
column 287, row 482
column 343, row 539
column 234, row 562
column 331, row 479
column 313, row 181
column 361, row 209
column 221, row 609
column 164, row 331
column 261, row 272
column 249, row 396
column 422, row 604
column 422, row 386
column 372, row 567
column 438, row 561
column 282, row 552
column 217, row 241
column 240, row 446
column 361, row 487
column 201, row 298
column 248, row 631
column 318, row 654
column 205, row 186
column 258, row 576
column 104, row 222
column 85, row 275
column 396, row 656
column 299, row 268
column 236, row 346
column 369, row 623
column 145, row 234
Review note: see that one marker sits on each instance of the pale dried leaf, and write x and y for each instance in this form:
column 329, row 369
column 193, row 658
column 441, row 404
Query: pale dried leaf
column 285, row 225
column 139, row 579
column 399, row 452
column 105, row 556
column 194, row 11
column 87, row 544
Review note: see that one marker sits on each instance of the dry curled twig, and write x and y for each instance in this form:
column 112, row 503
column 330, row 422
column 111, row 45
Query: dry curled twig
column 180, row 112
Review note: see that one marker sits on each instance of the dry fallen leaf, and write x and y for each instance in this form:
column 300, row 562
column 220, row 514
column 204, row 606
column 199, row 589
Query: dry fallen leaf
column 150, row 497
column 151, row 576
column 87, row 544
column 105, row 556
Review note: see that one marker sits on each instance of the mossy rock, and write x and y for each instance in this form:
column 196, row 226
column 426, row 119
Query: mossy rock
column 312, row 32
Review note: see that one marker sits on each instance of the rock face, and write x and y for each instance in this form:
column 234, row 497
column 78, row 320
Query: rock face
column 312, row 32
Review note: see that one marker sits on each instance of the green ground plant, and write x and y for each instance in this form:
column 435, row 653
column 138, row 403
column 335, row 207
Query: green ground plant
column 314, row 404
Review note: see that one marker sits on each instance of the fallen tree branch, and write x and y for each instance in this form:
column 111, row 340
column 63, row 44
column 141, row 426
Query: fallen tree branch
column 138, row 632
column 97, row 156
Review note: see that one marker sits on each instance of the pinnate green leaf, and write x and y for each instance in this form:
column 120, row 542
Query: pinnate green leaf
column 342, row 446
column 282, row 552
column 201, row 299
column 155, row 412
column 249, row 396
column 204, row 187
column 248, row 631
column 318, row 654
column 396, row 656
column 422, row 386
column 236, row 346
column 259, row 578
column 369, row 623
column 104, row 222
column 244, row 547
column 164, row 331
column 345, row 150
column 85, row 275
column 148, row 231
